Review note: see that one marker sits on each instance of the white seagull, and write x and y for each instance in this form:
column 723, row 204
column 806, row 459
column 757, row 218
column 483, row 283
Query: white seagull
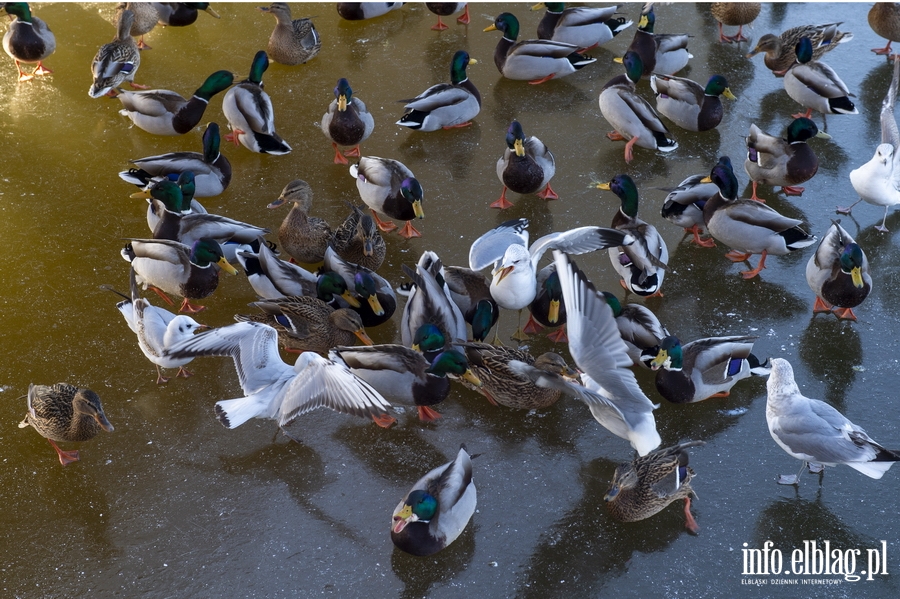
column 817, row 434
column 610, row 389
column 277, row 390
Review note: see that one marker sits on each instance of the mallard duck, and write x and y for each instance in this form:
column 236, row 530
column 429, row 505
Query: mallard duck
column 28, row 40
column 429, row 302
column 878, row 181
column 649, row 483
column 305, row 238
column 774, row 160
column 585, row 27
column 815, row 85
column 358, row 11
column 276, row 390
column 534, row 61
column 357, row 240
column 505, row 247
column 389, row 187
column 292, row 42
column 639, row 328
column 838, row 273
column 748, row 226
column 525, row 167
column 688, row 104
column 182, row 14
column 445, row 105
column 884, row 19
column 156, row 329
column 402, row 373
column 642, row 264
column 445, row 9
column 817, row 434
column 734, row 14
column 779, row 51
column 378, row 301
column 347, row 122
column 437, row 508
column 164, row 112
column 607, row 387
column 632, row 118
column 177, row 224
column 172, row 267
column 212, row 170
column 158, row 190
column 683, row 205
column 704, row 368
column 548, row 308
column 503, row 386
column 471, row 292
column 306, row 323
column 67, row 413
column 248, row 109
column 661, row 53
column 145, row 19
column 116, row 62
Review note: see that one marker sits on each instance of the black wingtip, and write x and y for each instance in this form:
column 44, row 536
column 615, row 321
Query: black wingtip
column 222, row 416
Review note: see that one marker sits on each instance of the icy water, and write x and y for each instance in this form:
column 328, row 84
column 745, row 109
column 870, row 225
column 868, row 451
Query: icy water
column 172, row 504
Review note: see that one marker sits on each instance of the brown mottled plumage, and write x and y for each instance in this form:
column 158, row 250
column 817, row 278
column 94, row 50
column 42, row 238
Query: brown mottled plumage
column 302, row 236
column 734, row 14
column 780, row 54
column 64, row 412
column 358, row 240
column 292, row 41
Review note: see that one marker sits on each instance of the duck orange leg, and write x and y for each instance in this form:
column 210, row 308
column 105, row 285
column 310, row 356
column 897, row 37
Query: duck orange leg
column 464, row 19
column 749, row 274
column 532, row 326
column 65, row 457
column 754, row 196
column 440, row 25
column 629, row 149
column 615, row 136
column 408, row 231
column 161, row 294
column 883, row 51
column 820, row 306
column 736, row 256
column 707, row 243
column 543, row 79
column 384, row 225
column 502, row 203
column 845, row 314
column 160, row 379
column 689, row 522
column 233, row 136
column 383, row 420
column 352, row 152
column 792, row 190
column 23, row 76
column 338, row 157
column 559, row 335
column 806, row 114
column 41, row 70
column 187, row 306
column 548, row 194
column 426, row 414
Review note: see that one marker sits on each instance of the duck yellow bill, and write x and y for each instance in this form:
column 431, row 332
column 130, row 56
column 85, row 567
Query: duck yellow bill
column 618, row 59
column 538, row 6
column 212, row 12
column 660, row 359
column 706, row 179
column 727, row 93
column 519, row 148
column 856, row 276
column 363, row 336
column 417, row 209
column 491, row 27
column 470, row 376
column 375, row 305
column 473, row 61
column 604, row 186
column 144, row 193
column 823, row 135
column 223, row 264
column 342, row 102
column 553, row 313
column 348, row 297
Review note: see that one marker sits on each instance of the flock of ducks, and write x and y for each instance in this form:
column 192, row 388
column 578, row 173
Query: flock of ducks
column 321, row 314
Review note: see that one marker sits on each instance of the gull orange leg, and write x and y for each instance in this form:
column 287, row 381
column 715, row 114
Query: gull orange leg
column 338, row 157
column 820, row 306
column 736, row 256
column 792, row 190
column 464, row 19
column 543, row 79
column 426, row 414
column 408, row 231
column 65, row 457
column 440, row 25
column 385, row 225
column 754, row 196
column 845, row 314
column 502, row 203
column 629, row 151
column 383, row 420
column 548, row 194
column 689, row 522
column 707, row 243
column 749, row 274
column 187, row 306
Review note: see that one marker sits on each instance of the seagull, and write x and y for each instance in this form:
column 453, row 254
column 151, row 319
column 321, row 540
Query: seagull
column 817, row 434
column 275, row 389
column 156, row 329
column 514, row 283
column 610, row 389
column 878, row 180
